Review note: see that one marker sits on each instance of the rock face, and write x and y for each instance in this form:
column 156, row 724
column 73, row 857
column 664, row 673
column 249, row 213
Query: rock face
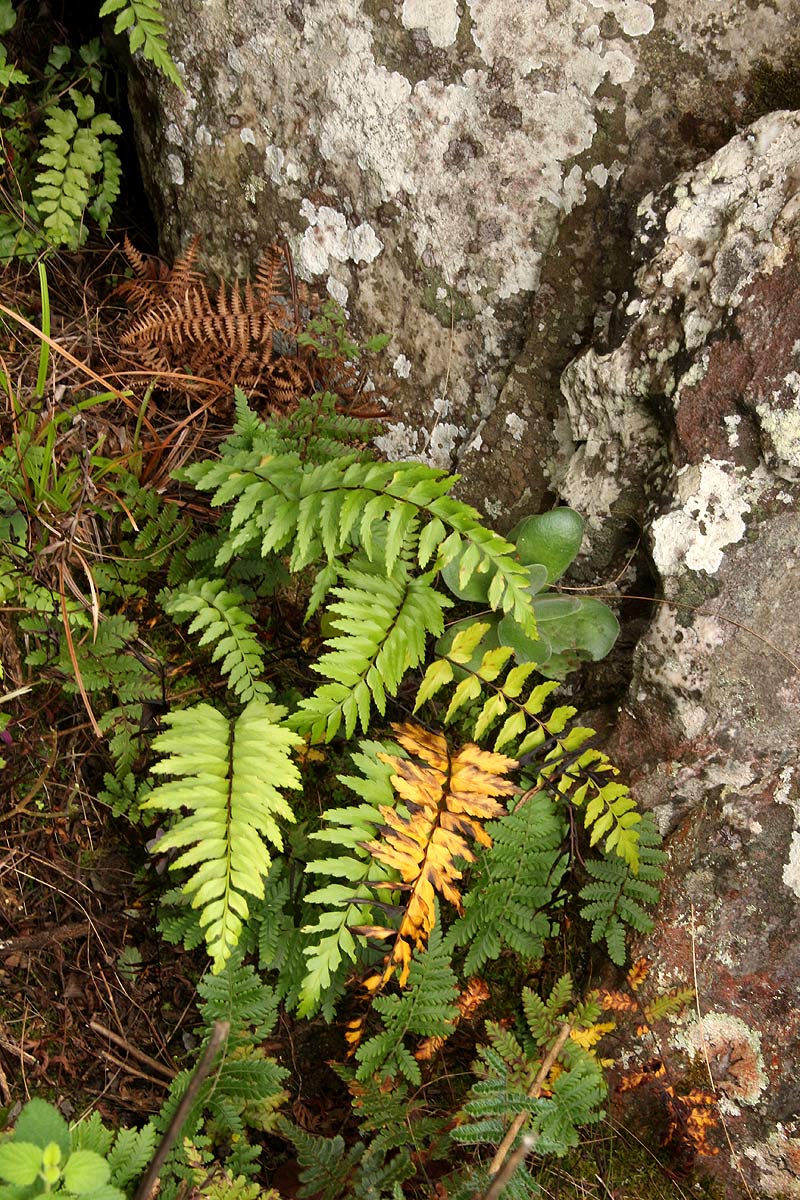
column 456, row 172
column 694, row 409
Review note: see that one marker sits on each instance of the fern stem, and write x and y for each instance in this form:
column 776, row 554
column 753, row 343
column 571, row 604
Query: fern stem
column 219, row 1035
column 527, row 1146
column 44, row 349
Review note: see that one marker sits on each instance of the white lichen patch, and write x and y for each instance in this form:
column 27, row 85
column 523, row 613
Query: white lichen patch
column 731, row 1047
column 712, row 497
column 438, row 18
column 782, row 424
column 516, row 426
column 401, row 367
column 634, row 17
column 732, row 423
column 676, row 661
column 337, row 291
column 437, row 449
column 783, row 795
column 329, row 236
column 777, row 1160
column 175, row 169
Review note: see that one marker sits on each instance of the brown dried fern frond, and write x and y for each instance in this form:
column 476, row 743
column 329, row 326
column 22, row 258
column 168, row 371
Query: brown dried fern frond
column 244, row 334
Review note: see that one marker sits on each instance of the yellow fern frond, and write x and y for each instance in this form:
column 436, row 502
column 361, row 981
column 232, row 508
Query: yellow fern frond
column 448, row 798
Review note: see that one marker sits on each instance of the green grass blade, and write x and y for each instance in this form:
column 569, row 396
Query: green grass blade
column 44, row 351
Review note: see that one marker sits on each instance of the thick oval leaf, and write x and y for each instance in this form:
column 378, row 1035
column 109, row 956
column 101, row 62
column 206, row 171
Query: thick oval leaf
column 475, row 589
column 588, row 634
column 552, row 538
column 554, row 608
column 538, row 574
column 526, row 650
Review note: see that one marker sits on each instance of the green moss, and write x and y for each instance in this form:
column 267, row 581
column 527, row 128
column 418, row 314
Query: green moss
column 619, row 1163
column 774, row 85
column 448, row 309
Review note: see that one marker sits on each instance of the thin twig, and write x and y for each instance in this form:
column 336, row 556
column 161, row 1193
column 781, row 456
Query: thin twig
column 526, row 1146
column 149, row 1180
column 134, row 1052
column 128, row 1069
column 533, row 1092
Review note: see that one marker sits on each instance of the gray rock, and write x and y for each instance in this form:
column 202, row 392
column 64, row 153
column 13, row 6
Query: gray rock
column 441, row 165
column 695, row 413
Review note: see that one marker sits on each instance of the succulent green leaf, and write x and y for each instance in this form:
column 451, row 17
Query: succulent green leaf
column 551, row 538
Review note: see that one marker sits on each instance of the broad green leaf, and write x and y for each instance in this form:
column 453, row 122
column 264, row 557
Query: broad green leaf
column 20, row 1163
column 551, row 538
column 41, row 1124
column 84, row 1171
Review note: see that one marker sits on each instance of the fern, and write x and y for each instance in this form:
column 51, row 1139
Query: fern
column 427, row 1007
column 516, row 1092
column 382, row 626
column 574, row 774
column 73, row 156
column 131, row 1153
column 514, row 886
column 347, row 904
column 246, row 1090
column 330, row 1171
column 228, row 776
column 392, row 1118
column 219, row 614
column 147, row 31
column 617, row 897
column 374, row 526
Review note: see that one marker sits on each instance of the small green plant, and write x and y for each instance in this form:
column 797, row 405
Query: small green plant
column 44, row 1157
column 57, row 144
column 569, row 629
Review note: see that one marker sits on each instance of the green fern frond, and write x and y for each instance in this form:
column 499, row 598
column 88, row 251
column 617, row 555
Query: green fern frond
column 617, row 897
column 391, row 1119
column 228, row 778
column 349, row 903
column 578, row 776
column 72, row 156
column 554, row 1110
column 246, row 1089
column 329, row 1171
column 92, row 1135
column 124, row 793
column 219, row 614
column 427, row 1007
column 147, row 31
column 382, row 627
column 132, row 1151
column 514, row 885
column 334, row 507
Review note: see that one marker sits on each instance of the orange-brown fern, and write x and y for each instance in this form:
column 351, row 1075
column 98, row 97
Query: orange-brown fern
column 244, row 334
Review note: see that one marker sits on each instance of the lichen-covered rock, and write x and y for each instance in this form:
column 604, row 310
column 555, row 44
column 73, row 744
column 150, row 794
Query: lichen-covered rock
column 438, row 166
column 693, row 414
